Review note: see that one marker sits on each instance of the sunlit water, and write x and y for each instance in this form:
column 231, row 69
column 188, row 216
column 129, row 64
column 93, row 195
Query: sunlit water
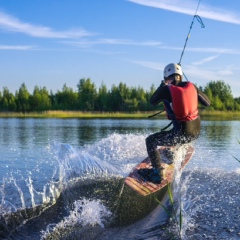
column 62, row 179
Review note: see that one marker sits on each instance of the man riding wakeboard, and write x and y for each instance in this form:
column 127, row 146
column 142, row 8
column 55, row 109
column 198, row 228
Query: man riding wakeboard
column 181, row 104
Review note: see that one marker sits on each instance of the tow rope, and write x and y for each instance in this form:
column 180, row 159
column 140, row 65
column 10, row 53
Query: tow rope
column 184, row 47
column 188, row 35
column 159, row 113
column 156, row 114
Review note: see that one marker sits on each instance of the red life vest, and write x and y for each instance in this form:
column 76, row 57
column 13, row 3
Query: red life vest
column 184, row 102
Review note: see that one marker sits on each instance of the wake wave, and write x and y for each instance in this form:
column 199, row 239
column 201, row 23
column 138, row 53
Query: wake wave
column 26, row 194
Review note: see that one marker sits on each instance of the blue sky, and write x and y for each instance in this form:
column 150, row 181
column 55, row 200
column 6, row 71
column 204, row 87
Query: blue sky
column 50, row 43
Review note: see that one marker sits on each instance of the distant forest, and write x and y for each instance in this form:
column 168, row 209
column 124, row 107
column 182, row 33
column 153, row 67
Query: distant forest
column 87, row 97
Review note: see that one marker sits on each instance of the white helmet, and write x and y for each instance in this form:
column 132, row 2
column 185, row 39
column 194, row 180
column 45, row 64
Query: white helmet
column 171, row 69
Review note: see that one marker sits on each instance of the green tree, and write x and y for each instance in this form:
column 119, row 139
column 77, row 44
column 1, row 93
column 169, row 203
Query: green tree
column 53, row 100
column 217, row 104
column 148, row 96
column 120, row 97
column 66, row 99
column 8, row 102
column 141, row 97
column 115, row 102
column 125, row 96
column 40, row 100
column 103, row 98
column 22, row 98
column 237, row 100
column 236, row 105
column 87, row 94
column 208, row 92
column 131, row 105
column 220, row 95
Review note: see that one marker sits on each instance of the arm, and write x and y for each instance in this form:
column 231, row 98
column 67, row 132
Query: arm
column 162, row 93
column 202, row 98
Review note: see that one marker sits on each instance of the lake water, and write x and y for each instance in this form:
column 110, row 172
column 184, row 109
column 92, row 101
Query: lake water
column 63, row 179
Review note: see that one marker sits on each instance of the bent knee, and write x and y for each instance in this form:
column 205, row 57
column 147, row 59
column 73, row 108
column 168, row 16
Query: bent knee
column 151, row 141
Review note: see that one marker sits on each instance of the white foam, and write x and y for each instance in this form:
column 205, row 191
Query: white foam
column 115, row 155
column 237, row 170
column 122, row 151
column 85, row 212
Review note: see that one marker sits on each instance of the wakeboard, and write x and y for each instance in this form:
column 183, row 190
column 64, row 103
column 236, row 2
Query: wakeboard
column 143, row 187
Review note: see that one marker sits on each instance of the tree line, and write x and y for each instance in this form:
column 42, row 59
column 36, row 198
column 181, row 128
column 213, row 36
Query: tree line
column 87, row 97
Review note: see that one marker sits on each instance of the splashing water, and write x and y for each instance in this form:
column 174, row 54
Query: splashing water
column 85, row 212
column 41, row 180
column 121, row 151
column 179, row 221
column 116, row 154
column 77, row 164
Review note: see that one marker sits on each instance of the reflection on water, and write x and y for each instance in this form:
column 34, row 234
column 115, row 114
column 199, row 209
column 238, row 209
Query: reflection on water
column 34, row 132
column 221, row 131
column 79, row 132
column 218, row 133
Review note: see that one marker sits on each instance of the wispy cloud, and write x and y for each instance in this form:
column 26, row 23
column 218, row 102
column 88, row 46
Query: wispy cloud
column 227, row 72
column 152, row 65
column 112, row 41
column 193, row 72
column 205, row 50
column 12, row 47
column 12, row 24
column 205, row 60
column 189, row 7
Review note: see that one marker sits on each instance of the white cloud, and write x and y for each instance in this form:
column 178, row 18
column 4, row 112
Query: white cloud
column 189, row 7
column 215, row 50
column 112, row 41
column 203, row 50
column 9, row 47
column 128, row 42
column 227, row 72
column 195, row 72
column 152, row 65
column 208, row 59
column 9, row 23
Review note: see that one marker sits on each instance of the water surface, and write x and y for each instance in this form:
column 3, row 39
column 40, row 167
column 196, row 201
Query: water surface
column 63, row 177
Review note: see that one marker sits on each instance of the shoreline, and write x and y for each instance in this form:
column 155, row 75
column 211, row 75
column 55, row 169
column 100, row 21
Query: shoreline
column 205, row 115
